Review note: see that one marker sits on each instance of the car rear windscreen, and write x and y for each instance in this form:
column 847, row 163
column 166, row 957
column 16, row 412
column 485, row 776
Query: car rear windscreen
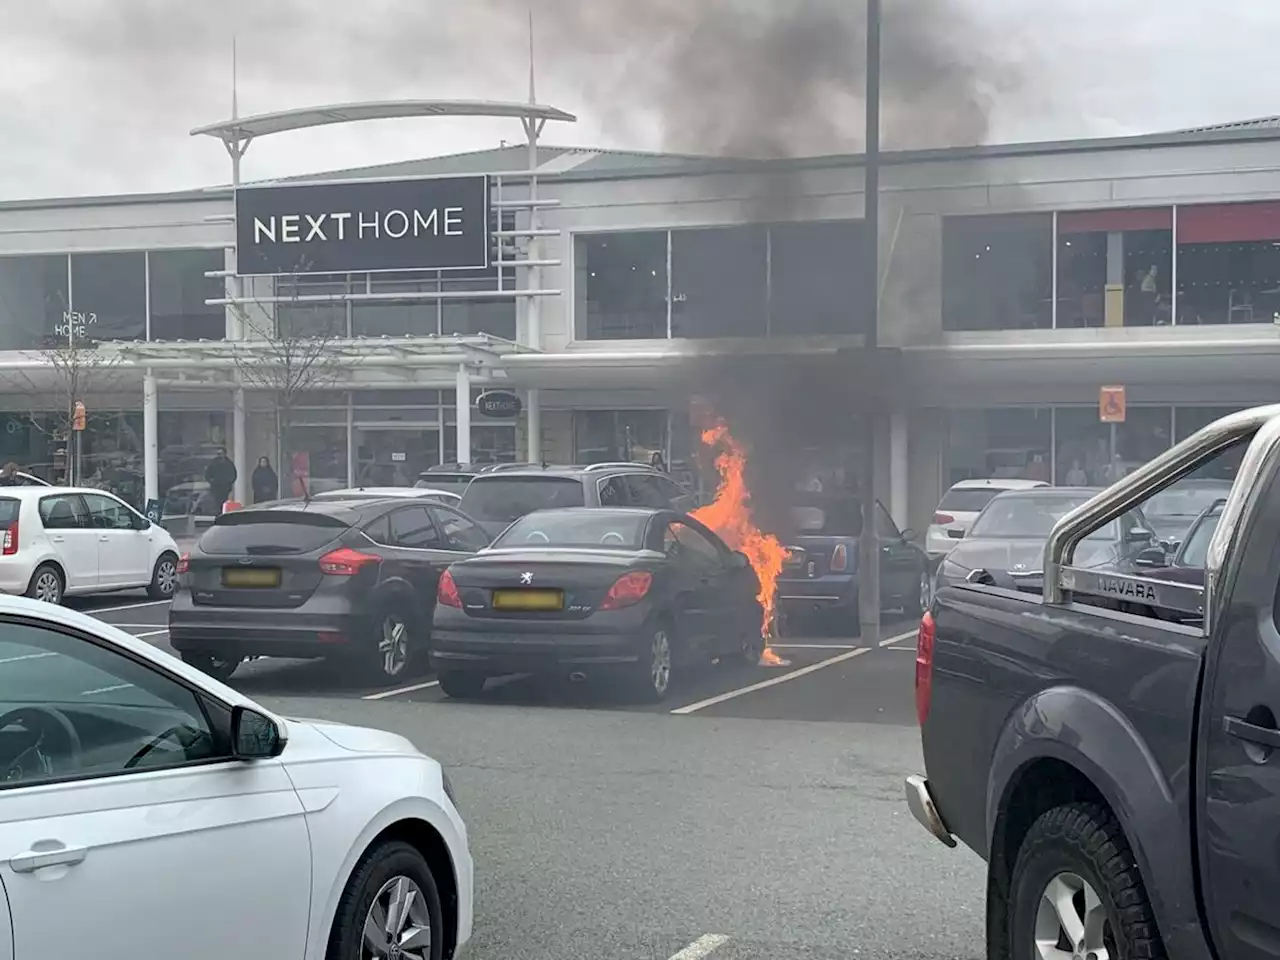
column 589, row 529
column 827, row 518
column 270, row 532
column 503, row 499
column 443, row 481
column 970, row 500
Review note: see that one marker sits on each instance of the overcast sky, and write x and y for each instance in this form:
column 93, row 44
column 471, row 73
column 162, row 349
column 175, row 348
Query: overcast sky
column 100, row 95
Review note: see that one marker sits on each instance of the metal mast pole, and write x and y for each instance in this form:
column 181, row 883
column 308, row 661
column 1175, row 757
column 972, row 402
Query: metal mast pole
column 869, row 544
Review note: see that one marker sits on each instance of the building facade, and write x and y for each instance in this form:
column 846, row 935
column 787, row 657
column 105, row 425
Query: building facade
column 1015, row 282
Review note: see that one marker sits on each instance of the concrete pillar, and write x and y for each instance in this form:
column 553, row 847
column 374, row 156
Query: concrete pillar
column 898, row 504
column 150, row 439
column 463, row 418
column 351, row 441
column 240, row 447
column 1113, row 304
column 533, row 421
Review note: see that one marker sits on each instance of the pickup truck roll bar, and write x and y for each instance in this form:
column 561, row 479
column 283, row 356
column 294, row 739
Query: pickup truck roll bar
column 1061, row 578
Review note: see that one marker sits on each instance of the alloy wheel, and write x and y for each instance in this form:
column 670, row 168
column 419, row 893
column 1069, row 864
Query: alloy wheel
column 660, row 662
column 167, row 577
column 393, row 645
column 48, row 587
column 1071, row 922
column 926, row 590
column 398, row 924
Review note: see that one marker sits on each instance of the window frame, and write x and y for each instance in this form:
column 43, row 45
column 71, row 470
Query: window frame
column 441, row 508
column 721, row 561
column 128, row 511
column 395, row 542
column 219, row 725
column 621, row 480
column 82, row 517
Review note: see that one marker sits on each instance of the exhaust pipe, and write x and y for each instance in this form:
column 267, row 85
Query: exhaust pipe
column 577, row 676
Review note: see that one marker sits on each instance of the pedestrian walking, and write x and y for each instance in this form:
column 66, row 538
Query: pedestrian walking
column 221, row 476
column 266, row 485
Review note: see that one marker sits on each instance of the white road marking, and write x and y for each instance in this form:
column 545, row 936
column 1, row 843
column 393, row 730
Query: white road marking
column 153, row 633
column 903, row 649
column 399, row 690
column 135, row 626
column 813, row 646
column 702, row 947
column 127, row 606
column 771, row 682
column 110, row 689
column 27, row 656
column 898, row 639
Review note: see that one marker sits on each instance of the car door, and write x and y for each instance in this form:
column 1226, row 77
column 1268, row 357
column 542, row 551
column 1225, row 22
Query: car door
column 899, row 561
column 704, row 566
column 124, row 547
column 420, row 551
column 144, row 837
column 65, row 519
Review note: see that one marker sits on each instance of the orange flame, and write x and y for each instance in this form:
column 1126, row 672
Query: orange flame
column 729, row 515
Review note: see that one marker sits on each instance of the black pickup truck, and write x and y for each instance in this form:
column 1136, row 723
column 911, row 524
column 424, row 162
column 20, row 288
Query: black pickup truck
column 1108, row 742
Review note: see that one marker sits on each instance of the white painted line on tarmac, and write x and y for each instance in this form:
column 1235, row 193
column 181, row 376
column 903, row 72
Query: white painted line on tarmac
column 889, row 641
column 127, row 606
column 813, row 646
column 111, row 689
column 702, row 947
column 399, row 690
column 136, row 626
column 903, row 649
column 771, row 682
column 152, row 633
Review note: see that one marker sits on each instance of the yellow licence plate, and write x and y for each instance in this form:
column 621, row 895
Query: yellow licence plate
column 528, row 600
column 254, row 577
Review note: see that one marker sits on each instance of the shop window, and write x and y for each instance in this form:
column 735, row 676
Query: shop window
column 809, row 264
column 315, row 460
column 997, row 272
column 489, row 443
column 1229, row 263
column 396, row 318
column 719, row 282
column 999, row 443
column 179, row 289
column 296, row 319
column 188, row 441
column 109, row 294
column 495, row 316
column 621, row 285
column 33, row 297
column 1096, row 454
column 1115, row 268
column 604, row 436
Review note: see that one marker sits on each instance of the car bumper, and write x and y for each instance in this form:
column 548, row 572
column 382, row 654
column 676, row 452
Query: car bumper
column 499, row 646
column 920, row 803
column 15, row 578
column 832, row 590
column 302, row 632
column 938, row 545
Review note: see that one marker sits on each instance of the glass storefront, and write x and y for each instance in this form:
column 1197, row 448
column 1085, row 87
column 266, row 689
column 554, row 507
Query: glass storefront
column 604, row 436
column 34, row 293
column 109, row 291
column 1003, row 442
column 997, row 272
column 179, row 289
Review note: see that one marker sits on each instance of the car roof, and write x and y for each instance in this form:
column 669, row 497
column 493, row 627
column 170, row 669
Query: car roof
column 339, row 508
column 567, row 472
column 34, row 492
column 1035, row 493
column 1004, row 483
column 600, row 512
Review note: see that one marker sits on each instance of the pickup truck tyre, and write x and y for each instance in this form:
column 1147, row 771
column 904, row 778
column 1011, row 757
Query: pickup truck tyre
column 1075, row 881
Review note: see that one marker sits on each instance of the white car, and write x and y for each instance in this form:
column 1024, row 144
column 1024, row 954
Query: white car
column 391, row 493
column 163, row 813
column 62, row 541
column 961, row 505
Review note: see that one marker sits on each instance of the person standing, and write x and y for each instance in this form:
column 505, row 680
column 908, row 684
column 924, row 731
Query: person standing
column 221, row 476
column 266, row 485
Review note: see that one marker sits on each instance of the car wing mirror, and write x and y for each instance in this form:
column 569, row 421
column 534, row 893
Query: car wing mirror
column 254, row 735
column 909, row 535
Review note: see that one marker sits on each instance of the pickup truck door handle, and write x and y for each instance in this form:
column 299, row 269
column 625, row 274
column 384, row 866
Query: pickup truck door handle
column 33, row 860
column 1263, row 736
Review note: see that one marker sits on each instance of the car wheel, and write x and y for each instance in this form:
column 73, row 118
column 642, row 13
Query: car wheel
column 918, row 603
column 46, row 584
column 390, row 908
column 395, row 650
column 462, row 684
column 164, row 579
column 216, row 665
column 651, row 679
column 1075, row 888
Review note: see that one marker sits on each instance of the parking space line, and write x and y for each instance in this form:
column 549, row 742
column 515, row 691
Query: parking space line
column 127, row 606
column 399, row 690
column 889, row 641
column 771, row 682
column 903, row 649
column 701, row 947
column 135, row 626
column 813, row 646
column 153, row 633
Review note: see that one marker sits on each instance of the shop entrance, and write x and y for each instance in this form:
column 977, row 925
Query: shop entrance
column 392, row 455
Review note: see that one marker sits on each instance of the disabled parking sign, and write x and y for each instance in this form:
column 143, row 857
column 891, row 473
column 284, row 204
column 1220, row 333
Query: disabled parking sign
column 1111, row 404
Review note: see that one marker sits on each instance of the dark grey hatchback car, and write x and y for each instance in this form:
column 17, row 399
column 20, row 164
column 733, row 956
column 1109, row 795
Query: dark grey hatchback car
column 347, row 579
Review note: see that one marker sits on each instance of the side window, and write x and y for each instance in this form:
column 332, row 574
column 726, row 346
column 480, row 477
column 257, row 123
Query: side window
column 886, row 529
column 70, row 708
column 644, row 491
column 613, row 492
column 412, row 527
column 459, row 532
column 379, row 531
column 670, row 491
column 684, row 543
column 63, row 512
column 107, row 514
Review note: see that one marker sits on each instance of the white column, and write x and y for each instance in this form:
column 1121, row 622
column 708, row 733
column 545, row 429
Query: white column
column 351, row 441
column 240, row 447
column 533, row 420
column 898, row 490
column 463, row 418
column 150, row 439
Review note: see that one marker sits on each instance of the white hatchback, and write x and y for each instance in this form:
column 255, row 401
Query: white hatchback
column 150, row 806
column 61, row 541
column 961, row 505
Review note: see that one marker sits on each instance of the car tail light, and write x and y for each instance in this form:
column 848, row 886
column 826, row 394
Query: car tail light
column 184, row 563
column 924, row 666
column 447, row 591
column 11, row 538
column 943, row 518
column 345, row 562
column 839, row 558
column 628, row 589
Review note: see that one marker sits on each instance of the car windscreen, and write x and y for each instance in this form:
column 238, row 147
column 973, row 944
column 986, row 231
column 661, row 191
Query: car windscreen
column 1195, row 551
column 442, row 481
column 1184, row 501
column 503, row 499
column 968, row 500
column 588, row 529
column 273, row 532
column 1017, row 518
column 827, row 518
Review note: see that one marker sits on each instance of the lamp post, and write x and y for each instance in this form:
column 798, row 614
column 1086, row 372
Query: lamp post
column 869, row 545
